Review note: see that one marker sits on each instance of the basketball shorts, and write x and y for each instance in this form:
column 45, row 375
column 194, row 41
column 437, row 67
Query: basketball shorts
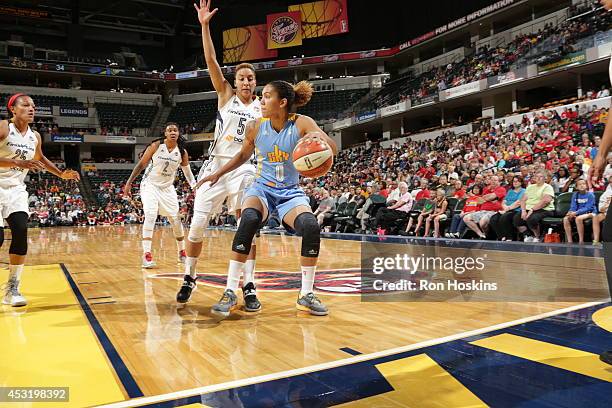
column 159, row 200
column 13, row 199
column 208, row 199
column 281, row 199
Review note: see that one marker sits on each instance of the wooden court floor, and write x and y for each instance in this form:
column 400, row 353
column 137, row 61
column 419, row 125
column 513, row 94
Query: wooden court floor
column 112, row 331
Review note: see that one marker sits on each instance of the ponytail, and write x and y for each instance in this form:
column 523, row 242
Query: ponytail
column 180, row 141
column 297, row 95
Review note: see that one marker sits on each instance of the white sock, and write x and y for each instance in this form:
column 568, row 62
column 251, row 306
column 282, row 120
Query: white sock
column 146, row 245
column 233, row 275
column 15, row 273
column 190, row 266
column 249, row 271
column 308, row 274
column 180, row 245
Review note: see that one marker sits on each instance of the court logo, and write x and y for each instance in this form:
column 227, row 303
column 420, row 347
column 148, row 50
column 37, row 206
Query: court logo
column 345, row 282
column 284, row 30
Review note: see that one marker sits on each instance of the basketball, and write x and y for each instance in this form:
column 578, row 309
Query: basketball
column 312, row 158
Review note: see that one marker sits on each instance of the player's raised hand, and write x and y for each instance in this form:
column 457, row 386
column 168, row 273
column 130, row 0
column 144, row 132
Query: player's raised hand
column 204, row 12
column 70, row 175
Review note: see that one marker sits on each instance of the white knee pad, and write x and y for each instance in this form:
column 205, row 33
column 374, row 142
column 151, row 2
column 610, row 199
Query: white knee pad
column 148, row 225
column 199, row 222
column 177, row 226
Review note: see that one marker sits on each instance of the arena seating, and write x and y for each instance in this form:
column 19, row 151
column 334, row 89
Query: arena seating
column 129, row 116
column 194, row 116
column 327, row 105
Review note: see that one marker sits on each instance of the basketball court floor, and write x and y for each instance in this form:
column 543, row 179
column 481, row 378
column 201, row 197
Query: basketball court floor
column 114, row 335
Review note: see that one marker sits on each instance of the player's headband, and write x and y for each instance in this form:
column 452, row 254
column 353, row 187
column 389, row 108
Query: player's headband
column 12, row 100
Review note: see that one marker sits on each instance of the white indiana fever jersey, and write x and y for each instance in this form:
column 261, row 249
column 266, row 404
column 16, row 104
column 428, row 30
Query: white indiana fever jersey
column 19, row 147
column 162, row 169
column 230, row 129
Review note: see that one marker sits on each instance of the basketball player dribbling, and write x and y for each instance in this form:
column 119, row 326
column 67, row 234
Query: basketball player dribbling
column 276, row 188
column 20, row 151
column 596, row 172
column 236, row 108
column 162, row 159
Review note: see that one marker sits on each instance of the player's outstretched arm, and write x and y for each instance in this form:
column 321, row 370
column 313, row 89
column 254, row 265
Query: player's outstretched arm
column 140, row 166
column 309, row 128
column 223, row 88
column 50, row 166
column 248, row 147
column 186, row 168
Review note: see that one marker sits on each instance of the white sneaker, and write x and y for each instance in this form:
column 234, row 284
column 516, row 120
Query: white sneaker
column 534, row 239
column 528, row 239
column 13, row 297
column 147, row 260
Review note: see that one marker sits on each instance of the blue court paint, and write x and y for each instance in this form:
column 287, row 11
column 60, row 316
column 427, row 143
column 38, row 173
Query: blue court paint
column 351, row 351
column 126, row 378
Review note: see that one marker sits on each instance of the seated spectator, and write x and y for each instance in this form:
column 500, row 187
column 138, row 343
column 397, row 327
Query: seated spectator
column 438, row 214
column 501, row 223
column 583, row 207
column 472, row 204
column 490, row 203
column 570, row 184
column 365, row 213
column 325, row 209
column 537, row 203
column 604, row 204
column 397, row 212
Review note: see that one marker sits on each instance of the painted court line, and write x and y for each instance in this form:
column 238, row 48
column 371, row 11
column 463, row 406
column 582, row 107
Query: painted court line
column 333, row 364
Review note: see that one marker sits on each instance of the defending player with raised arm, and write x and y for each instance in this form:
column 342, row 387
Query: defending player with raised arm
column 161, row 159
column 276, row 188
column 20, row 151
column 237, row 106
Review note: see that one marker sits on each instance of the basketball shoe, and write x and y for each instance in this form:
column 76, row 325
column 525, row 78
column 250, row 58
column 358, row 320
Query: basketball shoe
column 310, row 303
column 182, row 256
column 147, row 260
column 189, row 285
column 12, row 296
column 225, row 305
column 251, row 303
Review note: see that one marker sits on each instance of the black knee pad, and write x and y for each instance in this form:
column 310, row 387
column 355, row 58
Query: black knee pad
column 307, row 227
column 1, row 236
column 250, row 222
column 18, row 222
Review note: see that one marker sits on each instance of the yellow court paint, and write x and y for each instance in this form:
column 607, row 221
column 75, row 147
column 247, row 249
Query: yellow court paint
column 419, row 381
column 603, row 318
column 550, row 354
column 49, row 343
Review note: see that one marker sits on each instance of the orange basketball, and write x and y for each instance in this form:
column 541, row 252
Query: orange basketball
column 312, row 158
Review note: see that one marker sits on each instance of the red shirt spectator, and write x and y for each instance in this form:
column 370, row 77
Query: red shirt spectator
column 423, row 194
column 496, row 204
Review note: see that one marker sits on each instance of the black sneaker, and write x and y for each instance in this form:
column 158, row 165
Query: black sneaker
column 189, row 284
column 606, row 357
column 251, row 303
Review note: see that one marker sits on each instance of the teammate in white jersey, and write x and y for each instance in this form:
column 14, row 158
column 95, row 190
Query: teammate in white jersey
column 20, row 151
column 162, row 159
column 237, row 107
column 596, row 171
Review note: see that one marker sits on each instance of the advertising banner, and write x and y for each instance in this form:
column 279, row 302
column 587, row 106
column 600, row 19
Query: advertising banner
column 246, row 44
column 570, row 59
column 81, row 112
column 462, row 90
column 121, row 139
column 67, row 138
column 393, row 109
column 322, row 18
column 365, row 116
column 284, row 30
